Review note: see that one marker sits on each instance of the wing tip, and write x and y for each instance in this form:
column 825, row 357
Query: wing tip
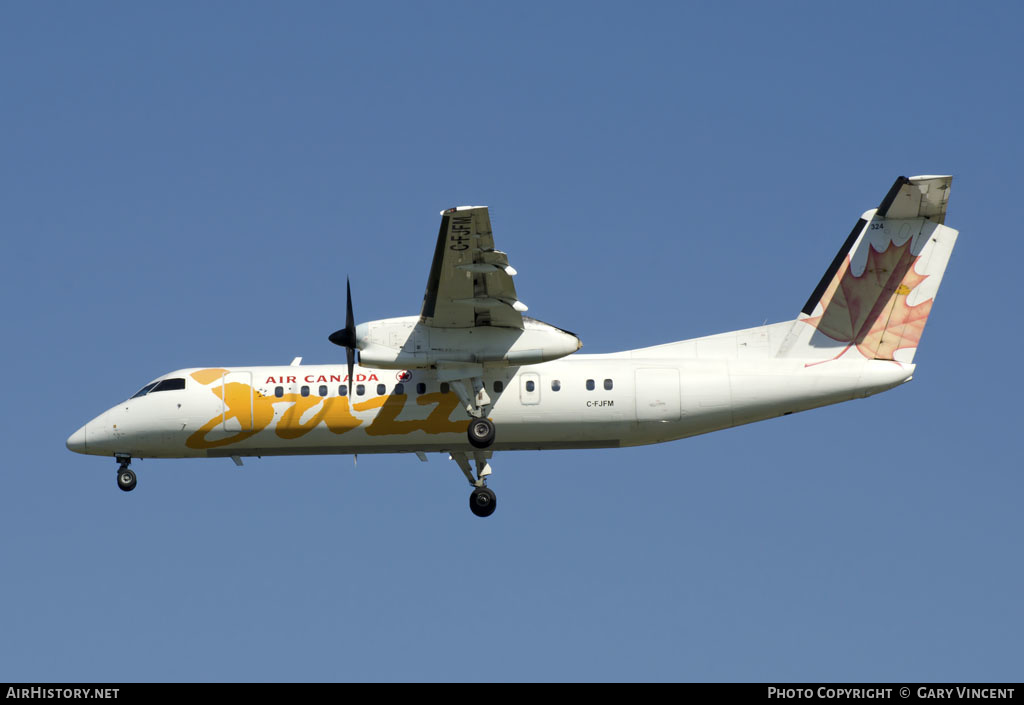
column 456, row 209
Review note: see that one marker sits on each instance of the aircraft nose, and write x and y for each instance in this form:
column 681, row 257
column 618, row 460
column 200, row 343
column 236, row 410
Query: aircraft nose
column 77, row 441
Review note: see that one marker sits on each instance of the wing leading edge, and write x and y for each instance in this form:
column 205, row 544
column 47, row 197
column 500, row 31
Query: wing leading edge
column 470, row 283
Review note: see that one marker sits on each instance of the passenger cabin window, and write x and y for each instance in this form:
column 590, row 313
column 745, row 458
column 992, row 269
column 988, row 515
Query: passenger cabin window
column 278, row 392
column 360, row 389
column 555, row 385
column 608, row 384
column 399, row 388
column 381, row 389
column 343, row 390
column 498, row 386
column 304, row 391
column 323, row 390
column 530, row 386
column 590, row 385
column 421, row 388
column 444, row 387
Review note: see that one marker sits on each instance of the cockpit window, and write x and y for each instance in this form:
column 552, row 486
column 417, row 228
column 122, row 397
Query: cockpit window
column 145, row 390
column 169, row 385
column 163, row 385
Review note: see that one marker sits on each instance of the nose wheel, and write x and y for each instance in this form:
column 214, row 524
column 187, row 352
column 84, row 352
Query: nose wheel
column 126, row 479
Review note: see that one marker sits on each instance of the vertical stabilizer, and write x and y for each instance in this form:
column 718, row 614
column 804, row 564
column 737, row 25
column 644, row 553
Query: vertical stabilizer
column 876, row 296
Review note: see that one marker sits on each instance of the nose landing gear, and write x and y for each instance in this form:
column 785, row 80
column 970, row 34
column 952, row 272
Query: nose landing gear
column 126, row 479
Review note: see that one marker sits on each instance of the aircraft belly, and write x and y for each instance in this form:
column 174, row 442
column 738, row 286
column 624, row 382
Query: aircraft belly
column 523, row 435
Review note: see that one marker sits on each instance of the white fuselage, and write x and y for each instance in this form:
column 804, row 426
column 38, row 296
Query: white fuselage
column 582, row 401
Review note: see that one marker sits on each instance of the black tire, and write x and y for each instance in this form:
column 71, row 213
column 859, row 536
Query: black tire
column 483, row 501
column 126, row 479
column 480, row 433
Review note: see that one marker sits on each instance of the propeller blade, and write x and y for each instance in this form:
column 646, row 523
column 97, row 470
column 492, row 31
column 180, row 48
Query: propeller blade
column 350, row 320
column 350, row 356
column 346, row 337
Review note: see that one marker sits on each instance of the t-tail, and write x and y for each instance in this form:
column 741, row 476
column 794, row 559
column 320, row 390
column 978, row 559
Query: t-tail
column 875, row 298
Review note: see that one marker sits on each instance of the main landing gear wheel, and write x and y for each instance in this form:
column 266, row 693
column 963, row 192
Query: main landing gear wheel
column 483, row 501
column 481, row 433
column 126, row 479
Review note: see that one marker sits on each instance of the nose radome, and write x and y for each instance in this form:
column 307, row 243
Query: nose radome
column 77, row 441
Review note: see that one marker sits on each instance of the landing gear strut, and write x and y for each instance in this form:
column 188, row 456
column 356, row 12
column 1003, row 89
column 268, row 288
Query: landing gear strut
column 482, row 501
column 473, row 395
column 126, row 479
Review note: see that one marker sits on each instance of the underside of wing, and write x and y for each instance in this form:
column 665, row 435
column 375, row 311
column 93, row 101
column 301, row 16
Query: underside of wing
column 470, row 282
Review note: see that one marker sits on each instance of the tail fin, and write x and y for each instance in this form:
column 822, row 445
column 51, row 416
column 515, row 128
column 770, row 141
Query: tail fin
column 874, row 299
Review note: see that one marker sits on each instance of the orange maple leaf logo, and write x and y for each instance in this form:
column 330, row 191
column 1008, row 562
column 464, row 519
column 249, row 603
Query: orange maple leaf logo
column 870, row 311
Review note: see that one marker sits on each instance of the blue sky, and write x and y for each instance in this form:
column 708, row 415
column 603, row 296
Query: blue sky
column 190, row 184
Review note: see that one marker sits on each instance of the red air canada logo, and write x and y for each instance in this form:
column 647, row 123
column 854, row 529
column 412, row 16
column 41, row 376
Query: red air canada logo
column 313, row 379
column 404, row 376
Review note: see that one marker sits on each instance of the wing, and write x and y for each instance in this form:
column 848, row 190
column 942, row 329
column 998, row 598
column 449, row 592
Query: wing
column 470, row 282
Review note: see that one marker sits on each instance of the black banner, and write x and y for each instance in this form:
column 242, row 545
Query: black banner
column 776, row 692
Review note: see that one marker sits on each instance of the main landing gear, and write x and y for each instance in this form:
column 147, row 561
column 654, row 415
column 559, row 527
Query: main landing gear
column 126, row 479
column 482, row 501
column 481, row 433
column 477, row 405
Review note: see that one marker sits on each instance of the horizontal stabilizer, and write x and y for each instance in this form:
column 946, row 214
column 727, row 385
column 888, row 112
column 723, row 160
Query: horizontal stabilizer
column 917, row 197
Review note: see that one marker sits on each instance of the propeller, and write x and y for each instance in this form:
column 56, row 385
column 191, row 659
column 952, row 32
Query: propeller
column 346, row 337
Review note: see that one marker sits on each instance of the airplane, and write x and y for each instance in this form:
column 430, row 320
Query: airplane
column 471, row 375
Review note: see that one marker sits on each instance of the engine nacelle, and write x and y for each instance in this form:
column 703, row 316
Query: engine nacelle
column 405, row 343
